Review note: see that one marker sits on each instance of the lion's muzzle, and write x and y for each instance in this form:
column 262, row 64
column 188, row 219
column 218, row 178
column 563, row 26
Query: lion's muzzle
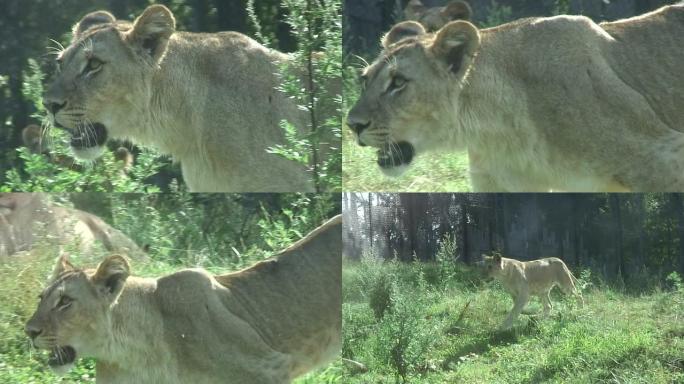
column 88, row 136
column 60, row 356
column 395, row 154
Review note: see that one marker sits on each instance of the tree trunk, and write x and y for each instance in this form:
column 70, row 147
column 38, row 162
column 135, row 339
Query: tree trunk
column 614, row 203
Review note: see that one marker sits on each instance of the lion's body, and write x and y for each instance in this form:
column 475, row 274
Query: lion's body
column 215, row 108
column 210, row 100
column 541, row 104
column 27, row 220
column 265, row 324
column 523, row 279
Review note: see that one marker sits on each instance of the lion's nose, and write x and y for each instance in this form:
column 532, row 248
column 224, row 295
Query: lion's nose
column 32, row 331
column 54, row 106
column 357, row 125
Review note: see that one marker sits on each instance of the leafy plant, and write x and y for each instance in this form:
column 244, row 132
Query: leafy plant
column 312, row 78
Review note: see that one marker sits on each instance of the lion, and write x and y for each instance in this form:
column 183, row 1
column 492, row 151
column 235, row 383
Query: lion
column 540, row 104
column 434, row 18
column 523, row 279
column 27, row 219
column 265, row 324
column 210, row 100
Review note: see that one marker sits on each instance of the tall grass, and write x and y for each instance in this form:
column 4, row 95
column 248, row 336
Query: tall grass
column 446, row 326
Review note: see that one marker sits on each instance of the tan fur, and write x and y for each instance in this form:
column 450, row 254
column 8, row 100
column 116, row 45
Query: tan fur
column 523, row 279
column 32, row 137
column 207, row 99
column 125, row 158
column 266, row 324
column 541, row 104
column 28, row 219
column 434, row 18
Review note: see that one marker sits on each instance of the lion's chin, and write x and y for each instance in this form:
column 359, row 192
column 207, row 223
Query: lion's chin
column 394, row 159
column 88, row 141
column 62, row 359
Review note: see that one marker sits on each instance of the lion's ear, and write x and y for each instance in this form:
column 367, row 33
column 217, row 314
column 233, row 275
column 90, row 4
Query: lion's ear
column 457, row 10
column 90, row 20
column 414, row 9
column 111, row 275
column 456, row 44
column 401, row 31
column 151, row 31
column 61, row 265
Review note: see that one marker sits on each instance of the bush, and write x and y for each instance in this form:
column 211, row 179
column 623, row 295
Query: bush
column 313, row 79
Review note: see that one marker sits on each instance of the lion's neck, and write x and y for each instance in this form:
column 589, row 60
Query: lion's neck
column 135, row 328
column 491, row 103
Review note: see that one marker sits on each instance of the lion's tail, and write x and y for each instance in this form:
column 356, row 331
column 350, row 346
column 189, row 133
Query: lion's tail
column 573, row 288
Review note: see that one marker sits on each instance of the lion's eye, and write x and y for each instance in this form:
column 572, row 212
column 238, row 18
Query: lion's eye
column 93, row 65
column 398, row 82
column 58, row 62
column 64, row 302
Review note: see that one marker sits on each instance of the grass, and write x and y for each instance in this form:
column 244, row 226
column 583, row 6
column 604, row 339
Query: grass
column 429, row 172
column 21, row 279
column 453, row 338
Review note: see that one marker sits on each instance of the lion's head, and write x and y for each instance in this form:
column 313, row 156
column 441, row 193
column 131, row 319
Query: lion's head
column 491, row 265
column 434, row 18
column 103, row 76
column 410, row 91
column 73, row 316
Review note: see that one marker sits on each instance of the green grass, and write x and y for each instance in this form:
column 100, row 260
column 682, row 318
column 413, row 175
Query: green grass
column 21, row 279
column 453, row 338
column 439, row 172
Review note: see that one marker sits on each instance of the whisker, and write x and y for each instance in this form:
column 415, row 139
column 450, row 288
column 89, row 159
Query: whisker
column 57, row 43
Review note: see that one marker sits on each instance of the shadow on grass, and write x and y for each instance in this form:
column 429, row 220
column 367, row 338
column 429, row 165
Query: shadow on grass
column 607, row 363
column 484, row 341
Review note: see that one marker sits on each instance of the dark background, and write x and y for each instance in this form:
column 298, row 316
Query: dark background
column 26, row 27
column 618, row 236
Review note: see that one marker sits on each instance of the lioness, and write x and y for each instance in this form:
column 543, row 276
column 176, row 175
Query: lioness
column 266, row 324
column 27, row 218
column 557, row 103
column 434, row 18
column 207, row 99
column 523, row 279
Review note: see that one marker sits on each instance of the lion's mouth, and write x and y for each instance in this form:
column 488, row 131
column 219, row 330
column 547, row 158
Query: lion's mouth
column 395, row 154
column 60, row 356
column 88, row 136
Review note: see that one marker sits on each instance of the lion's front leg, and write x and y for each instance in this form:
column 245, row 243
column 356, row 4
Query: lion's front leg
column 546, row 303
column 520, row 301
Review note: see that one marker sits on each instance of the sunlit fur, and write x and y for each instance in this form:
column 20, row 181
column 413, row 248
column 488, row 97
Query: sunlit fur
column 557, row 103
column 208, row 100
column 266, row 324
column 523, row 279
